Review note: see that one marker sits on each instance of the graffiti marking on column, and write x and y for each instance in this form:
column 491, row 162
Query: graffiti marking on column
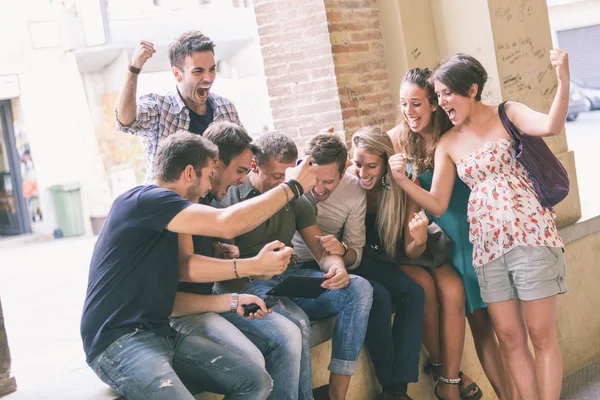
column 416, row 53
column 525, row 9
column 505, row 13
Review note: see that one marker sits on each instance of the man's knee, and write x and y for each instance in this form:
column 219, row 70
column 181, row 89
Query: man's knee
column 361, row 289
column 288, row 337
column 258, row 383
column 296, row 315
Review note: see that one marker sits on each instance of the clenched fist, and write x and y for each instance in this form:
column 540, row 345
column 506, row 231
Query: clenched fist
column 418, row 228
column 397, row 164
column 560, row 60
column 143, row 52
column 274, row 258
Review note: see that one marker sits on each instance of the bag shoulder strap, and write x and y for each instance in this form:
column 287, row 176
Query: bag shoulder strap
column 512, row 130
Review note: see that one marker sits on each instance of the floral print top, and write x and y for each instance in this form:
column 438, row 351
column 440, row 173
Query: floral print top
column 504, row 210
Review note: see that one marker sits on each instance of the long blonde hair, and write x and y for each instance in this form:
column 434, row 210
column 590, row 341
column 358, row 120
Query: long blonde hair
column 412, row 143
column 391, row 214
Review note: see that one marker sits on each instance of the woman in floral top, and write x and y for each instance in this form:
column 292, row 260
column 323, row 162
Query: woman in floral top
column 517, row 253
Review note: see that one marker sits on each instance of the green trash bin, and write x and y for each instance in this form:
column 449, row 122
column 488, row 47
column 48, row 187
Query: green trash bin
column 68, row 209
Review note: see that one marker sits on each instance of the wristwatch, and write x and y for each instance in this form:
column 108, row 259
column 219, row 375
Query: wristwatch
column 233, row 305
column 345, row 246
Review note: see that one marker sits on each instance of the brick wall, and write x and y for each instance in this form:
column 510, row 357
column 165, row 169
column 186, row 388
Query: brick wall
column 325, row 65
column 359, row 58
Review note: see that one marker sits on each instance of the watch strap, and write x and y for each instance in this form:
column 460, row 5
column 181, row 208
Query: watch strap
column 233, row 305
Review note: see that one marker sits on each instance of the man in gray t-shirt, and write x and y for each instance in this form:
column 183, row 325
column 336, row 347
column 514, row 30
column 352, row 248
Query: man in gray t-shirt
column 348, row 296
column 341, row 205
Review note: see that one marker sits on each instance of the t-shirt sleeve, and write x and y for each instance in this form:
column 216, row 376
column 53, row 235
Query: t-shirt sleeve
column 157, row 206
column 354, row 227
column 305, row 213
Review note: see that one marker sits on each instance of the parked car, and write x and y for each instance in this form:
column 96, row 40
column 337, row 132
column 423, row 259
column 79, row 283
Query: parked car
column 578, row 103
column 589, row 92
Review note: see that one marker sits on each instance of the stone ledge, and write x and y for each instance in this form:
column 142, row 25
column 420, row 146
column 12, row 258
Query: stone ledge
column 585, row 226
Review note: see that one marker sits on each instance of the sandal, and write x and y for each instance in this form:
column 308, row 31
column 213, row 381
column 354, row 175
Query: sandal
column 430, row 368
column 454, row 381
column 477, row 394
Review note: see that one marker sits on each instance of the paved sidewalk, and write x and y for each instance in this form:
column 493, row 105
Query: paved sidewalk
column 583, row 384
column 43, row 287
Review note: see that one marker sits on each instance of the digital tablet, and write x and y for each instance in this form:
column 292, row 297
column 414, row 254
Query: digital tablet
column 299, row 286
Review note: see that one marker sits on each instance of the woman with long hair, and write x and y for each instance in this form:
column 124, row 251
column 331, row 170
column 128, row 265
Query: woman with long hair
column 422, row 123
column 397, row 229
column 517, row 252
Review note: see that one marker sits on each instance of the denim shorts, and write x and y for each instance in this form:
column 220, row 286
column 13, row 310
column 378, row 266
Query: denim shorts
column 525, row 273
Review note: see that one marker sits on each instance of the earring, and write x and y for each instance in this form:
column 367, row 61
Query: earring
column 384, row 182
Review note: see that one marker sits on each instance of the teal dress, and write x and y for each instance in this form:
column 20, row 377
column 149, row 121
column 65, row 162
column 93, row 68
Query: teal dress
column 455, row 224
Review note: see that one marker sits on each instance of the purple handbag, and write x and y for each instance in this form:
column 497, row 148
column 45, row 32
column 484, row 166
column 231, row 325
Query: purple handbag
column 550, row 179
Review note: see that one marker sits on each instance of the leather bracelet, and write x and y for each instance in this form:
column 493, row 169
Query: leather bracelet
column 292, row 188
column 235, row 268
column 298, row 186
column 287, row 196
column 134, row 70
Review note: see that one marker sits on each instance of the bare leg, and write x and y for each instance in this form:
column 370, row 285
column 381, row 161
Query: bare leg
column 338, row 386
column 540, row 317
column 431, row 317
column 488, row 352
column 451, row 297
column 509, row 325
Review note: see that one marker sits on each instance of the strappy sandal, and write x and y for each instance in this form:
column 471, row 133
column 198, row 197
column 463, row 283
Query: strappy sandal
column 465, row 394
column 430, row 368
column 454, row 381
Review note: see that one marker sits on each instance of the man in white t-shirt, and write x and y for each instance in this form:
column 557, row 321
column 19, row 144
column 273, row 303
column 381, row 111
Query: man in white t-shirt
column 341, row 205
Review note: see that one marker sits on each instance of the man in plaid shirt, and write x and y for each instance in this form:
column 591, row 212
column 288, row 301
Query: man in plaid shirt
column 191, row 106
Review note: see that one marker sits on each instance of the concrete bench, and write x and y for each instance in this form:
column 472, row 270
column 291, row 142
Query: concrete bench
column 364, row 385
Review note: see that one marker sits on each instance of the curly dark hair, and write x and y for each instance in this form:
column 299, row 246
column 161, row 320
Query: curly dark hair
column 186, row 44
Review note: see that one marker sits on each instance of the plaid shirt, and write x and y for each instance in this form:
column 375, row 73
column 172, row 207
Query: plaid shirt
column 160, row 115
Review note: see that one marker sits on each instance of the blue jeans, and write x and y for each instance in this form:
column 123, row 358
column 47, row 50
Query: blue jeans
column 351, row 305
column 141, row 365
column 395, row 349
column 273, row 341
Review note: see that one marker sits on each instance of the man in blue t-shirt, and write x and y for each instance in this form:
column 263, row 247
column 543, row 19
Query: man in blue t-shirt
column 133, row 279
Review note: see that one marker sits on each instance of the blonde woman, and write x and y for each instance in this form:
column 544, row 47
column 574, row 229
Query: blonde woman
column 397, row 232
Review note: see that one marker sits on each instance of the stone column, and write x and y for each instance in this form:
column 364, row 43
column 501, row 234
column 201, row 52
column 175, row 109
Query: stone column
column 7, row 383
column 325, row 65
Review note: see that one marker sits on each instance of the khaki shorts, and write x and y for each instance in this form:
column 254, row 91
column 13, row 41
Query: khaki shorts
column 525, row 273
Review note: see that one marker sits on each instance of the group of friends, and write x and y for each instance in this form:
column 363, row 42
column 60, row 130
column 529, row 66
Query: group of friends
column 222, row 219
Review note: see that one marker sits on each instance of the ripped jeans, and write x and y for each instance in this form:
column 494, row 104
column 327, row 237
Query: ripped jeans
column 141, row 365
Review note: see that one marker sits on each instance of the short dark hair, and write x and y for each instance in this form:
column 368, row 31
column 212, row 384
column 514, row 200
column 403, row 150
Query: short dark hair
column 178, row 151
column 230, row 138
column 186, row 44
column 459, row 72
column 273, row 145
column 327, row 148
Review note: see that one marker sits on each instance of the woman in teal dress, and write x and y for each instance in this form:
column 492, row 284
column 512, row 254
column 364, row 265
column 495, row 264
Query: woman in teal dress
column 421, row 125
